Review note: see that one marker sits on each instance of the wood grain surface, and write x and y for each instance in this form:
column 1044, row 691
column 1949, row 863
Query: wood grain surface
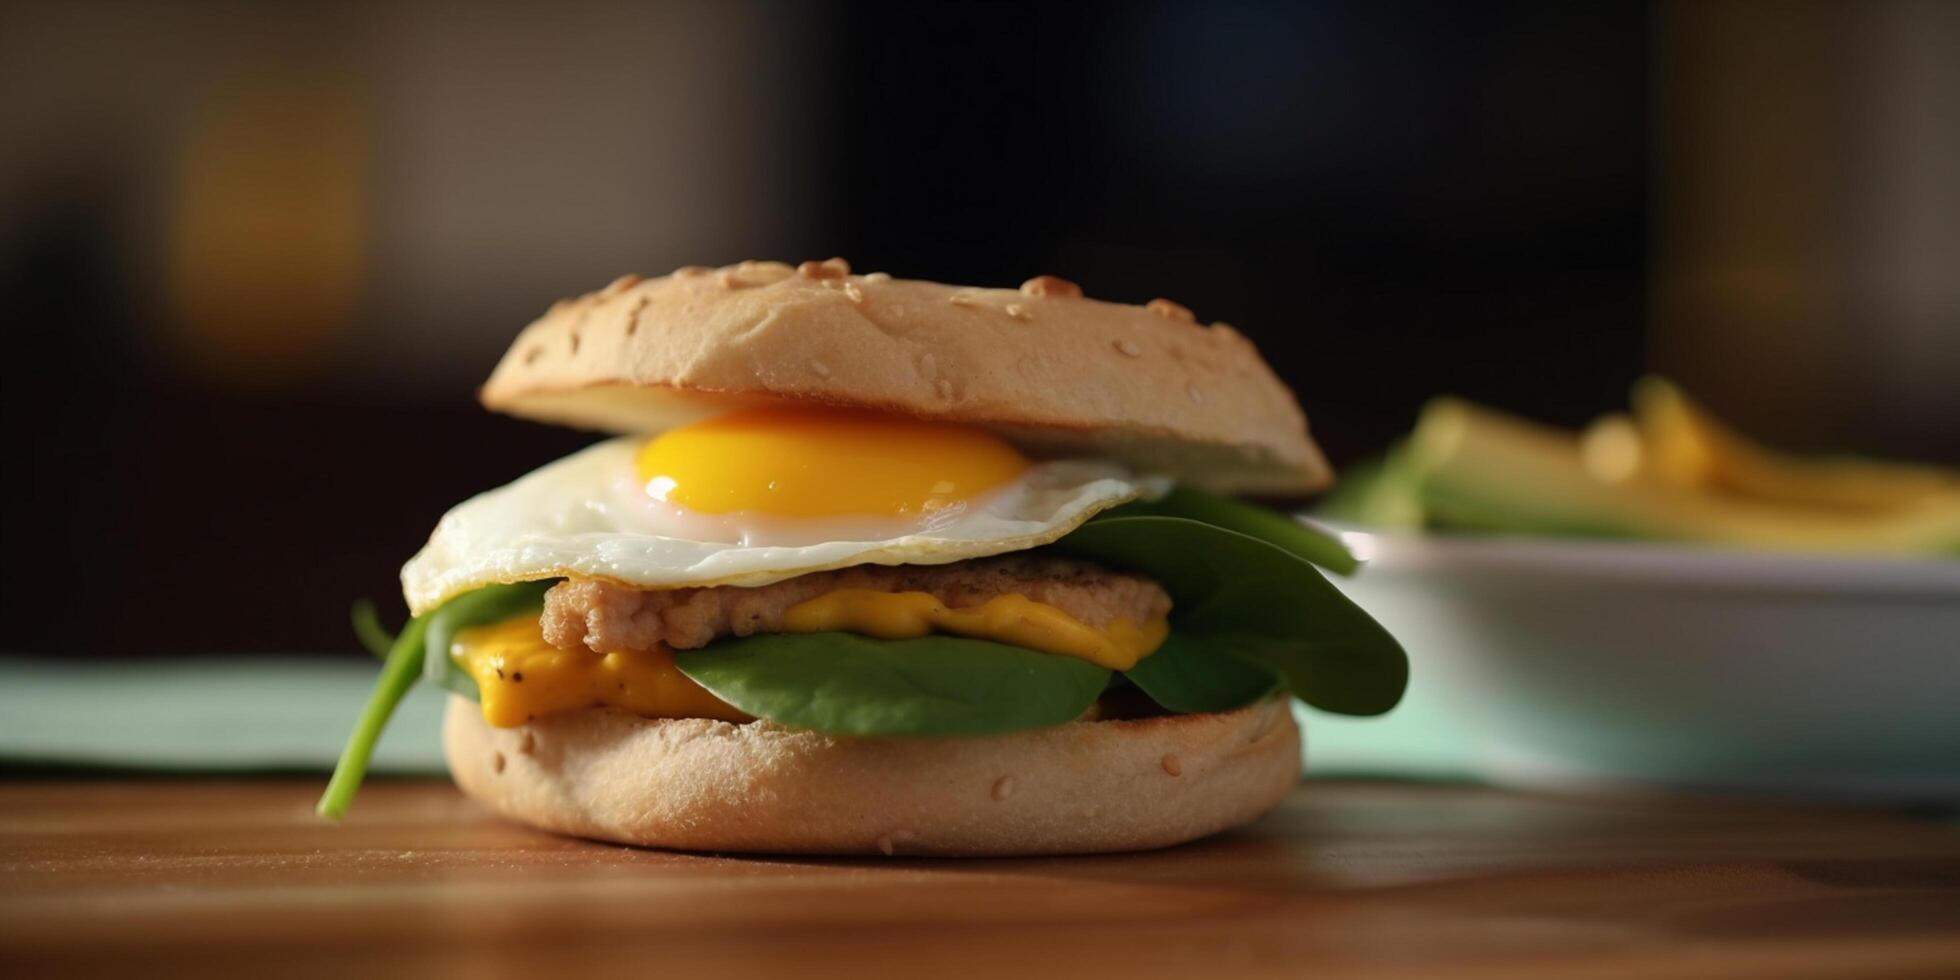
column 236, row 878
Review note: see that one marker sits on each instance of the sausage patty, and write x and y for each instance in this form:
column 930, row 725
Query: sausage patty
column 607, row 618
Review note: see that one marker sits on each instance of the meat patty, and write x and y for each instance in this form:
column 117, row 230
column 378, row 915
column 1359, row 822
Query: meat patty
column 605, row 617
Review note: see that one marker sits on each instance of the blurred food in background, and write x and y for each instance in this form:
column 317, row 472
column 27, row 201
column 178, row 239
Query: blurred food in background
column 1667, row 470
column 1657, row 599
column 1557, row 661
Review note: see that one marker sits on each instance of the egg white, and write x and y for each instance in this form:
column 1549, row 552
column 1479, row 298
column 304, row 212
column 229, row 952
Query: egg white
column 586, row 515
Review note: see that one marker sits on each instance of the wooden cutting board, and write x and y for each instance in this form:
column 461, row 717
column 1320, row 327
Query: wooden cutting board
column 236, row 878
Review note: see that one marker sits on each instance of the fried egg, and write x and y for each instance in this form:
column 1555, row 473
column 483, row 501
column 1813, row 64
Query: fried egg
column 762, row 495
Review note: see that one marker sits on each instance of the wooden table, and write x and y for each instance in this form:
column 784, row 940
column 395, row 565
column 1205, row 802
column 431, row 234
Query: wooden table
column 204, row 878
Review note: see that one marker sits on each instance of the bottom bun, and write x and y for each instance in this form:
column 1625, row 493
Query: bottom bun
column 700, row 785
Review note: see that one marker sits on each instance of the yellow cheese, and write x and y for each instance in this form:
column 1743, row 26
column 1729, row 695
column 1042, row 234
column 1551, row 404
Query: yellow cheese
column 1015, row 620
column 520, row 677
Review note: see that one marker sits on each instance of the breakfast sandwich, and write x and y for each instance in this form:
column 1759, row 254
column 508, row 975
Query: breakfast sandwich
column 883, row 566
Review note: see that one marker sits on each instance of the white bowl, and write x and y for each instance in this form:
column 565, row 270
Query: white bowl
column 1583, row 662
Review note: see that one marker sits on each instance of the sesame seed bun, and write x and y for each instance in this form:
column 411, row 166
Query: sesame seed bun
column 700, row 785
column 1049, row 370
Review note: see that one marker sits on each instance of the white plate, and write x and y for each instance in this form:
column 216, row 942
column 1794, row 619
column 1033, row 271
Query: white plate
column 1581, row 662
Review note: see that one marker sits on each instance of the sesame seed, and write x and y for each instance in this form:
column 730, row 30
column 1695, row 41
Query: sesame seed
column 963, row 300
column 1197, row 397
column 885, row 845
column 496, row 762
column 574, row 341
column 831, row 268
column 633, row 316
column 529, row 745
column 620, row 285
column 878, row 277
column 1050, row 286
column 1003, row 787
column 691, row 271
column 857, row 295
column 1128, row 348
column 531, row 356
column 1017, row 311
column 1170, row 310
column 944, row 387
column 821, row 369
column 1172, row 766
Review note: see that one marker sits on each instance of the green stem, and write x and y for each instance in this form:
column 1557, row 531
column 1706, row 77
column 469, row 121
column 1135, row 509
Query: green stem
column 368, row 629
column 398, row 675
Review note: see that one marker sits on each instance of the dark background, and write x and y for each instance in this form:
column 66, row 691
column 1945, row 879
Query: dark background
column 255, row 258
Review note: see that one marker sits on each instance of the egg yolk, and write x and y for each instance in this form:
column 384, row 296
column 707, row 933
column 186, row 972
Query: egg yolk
column 824, row 463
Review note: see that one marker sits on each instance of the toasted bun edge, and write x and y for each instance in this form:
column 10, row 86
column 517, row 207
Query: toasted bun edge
column 1053, row 371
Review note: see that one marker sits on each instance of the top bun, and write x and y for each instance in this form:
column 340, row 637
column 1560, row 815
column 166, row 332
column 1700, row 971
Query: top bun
column 1051, row 371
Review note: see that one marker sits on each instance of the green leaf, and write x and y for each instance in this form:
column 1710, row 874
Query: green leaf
column 398, row 674
column 933, row 685
column 421, row 651
column 1183, row 677
column 1283, row 532
column 1239, row 596
column 482, row 607
column 368, row 629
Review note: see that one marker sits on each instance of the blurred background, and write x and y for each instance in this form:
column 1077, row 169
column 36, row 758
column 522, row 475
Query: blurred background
column 256, row 257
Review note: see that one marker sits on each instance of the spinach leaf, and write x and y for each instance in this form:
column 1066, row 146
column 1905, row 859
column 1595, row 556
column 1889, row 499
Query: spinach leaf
column 398, row 674
column 933, row 685
column 1283, row 532
column 1239, row 596
column 1183, row 677
column 490, row 604
column 422, row 650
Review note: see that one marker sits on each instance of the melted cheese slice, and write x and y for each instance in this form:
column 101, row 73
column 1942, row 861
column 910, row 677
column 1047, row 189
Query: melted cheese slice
column 1015, row 620
column 520, row 677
